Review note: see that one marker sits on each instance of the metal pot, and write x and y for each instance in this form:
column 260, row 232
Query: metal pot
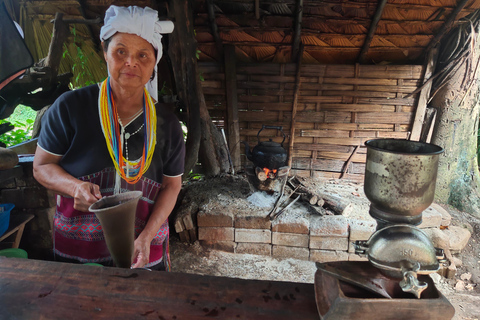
column 402, row 251
column 400, row 177
column 267, row 154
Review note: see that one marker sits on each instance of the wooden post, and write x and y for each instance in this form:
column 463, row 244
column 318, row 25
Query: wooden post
column 424, row 96
column 232, row 105
column 294, row 107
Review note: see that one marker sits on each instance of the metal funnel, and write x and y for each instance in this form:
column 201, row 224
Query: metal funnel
column 400, row 179
column 117, row 217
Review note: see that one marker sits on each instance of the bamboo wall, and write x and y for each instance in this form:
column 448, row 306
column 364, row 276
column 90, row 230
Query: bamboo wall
column 339, row 107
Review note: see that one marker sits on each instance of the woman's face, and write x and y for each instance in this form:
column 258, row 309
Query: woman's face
column 130, row 60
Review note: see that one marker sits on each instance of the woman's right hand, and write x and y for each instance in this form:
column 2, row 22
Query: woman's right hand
column 85, row 194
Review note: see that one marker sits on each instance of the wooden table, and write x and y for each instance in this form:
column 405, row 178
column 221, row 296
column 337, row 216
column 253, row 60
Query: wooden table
column 35, row 289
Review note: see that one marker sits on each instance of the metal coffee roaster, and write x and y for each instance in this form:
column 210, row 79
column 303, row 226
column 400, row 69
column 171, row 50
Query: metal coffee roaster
column 400, row 179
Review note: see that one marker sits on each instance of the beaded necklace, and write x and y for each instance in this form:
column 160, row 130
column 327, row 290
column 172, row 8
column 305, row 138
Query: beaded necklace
column 130, row 171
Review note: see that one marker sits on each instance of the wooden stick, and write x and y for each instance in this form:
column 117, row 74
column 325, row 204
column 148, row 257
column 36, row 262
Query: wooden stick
column 345, row 168
column 281, row 195
column 284, row 209
column 295, row 104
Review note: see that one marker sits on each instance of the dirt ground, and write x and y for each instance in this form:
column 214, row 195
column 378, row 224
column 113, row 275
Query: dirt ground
column 463, row 291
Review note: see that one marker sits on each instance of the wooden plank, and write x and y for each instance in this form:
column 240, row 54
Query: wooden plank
column 350, row 107
column 54, row 290
column 372, row 94
column 342, row 156
column 384, row 117
column 332, row 165
column 361, row 81
column 273, row 106
column 349, row 87
column 324, row 133
column 424, row 96
column 324, row 175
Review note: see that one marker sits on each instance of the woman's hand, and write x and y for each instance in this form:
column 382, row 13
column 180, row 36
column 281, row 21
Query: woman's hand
column 47, row 171
column 141, row 252
column 85, row 194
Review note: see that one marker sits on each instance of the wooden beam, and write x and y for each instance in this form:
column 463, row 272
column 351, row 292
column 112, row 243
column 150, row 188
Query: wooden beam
column 294, row 107
column 297, row 32
column 232, row 106
column 371, row 32
column 257, row 9
column 424, row 96
column 447, row 25
column 213, row 27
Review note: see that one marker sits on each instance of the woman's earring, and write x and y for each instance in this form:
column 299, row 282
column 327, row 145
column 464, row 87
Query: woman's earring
column 153, row 75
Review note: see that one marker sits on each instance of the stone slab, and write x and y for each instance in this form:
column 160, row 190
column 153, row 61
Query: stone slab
column 329, row 243
column 336, row 226
column 253, row 235
column 252, row 222
column 216, row 233
column 361, row 229
column 264, row 249
column 227, row 246
column 214, row 218
column 328, row 255
column 290, row 239
column 285, row 252
column 356, row 257
column 292, row 222
column 431, row 218
column 446, row 216
column 458, row 237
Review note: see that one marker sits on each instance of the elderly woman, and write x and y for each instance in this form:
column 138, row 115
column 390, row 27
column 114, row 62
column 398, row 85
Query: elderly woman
column 112, row 137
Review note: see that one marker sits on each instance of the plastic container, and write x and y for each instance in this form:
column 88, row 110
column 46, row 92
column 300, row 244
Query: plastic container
column 5, row 209
column 14, row 253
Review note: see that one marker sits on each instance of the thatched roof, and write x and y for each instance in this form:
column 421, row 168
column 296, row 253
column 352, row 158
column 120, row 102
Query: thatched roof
column 331, row 32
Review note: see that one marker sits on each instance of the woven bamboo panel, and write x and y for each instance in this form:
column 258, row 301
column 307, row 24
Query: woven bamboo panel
column 339, row 107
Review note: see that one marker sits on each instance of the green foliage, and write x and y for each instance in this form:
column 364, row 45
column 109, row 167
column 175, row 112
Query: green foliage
column 22, row 118
column 195, row 176
column 79, row 67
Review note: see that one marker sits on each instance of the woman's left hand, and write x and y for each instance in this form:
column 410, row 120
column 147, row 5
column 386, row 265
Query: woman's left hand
column 141, row 252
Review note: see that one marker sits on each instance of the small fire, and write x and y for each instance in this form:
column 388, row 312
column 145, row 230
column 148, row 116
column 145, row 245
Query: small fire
column 271, row 173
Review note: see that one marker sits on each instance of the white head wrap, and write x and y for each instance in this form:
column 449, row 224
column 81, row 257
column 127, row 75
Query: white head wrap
column 142, row 22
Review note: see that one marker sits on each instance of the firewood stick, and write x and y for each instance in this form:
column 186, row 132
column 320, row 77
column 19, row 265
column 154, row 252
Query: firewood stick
column 345, row 168
column 278, row 200
column 284, row 209
column 337, row 204
column 261, row 175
